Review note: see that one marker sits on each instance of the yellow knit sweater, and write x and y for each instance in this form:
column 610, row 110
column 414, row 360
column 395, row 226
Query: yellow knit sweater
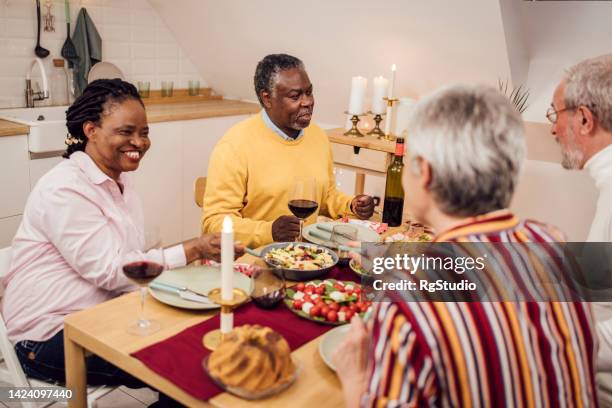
column 250, row 175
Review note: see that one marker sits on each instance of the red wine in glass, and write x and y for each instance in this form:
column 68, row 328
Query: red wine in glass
column 303, row 208
column 142, row 272
column 269, row 300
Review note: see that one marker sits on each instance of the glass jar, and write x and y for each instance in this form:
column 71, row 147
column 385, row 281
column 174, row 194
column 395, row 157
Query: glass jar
column 58, row 83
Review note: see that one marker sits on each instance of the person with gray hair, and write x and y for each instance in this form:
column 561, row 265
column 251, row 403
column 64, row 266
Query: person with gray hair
column 581, row 117
column 466, row 145
column 254, row 166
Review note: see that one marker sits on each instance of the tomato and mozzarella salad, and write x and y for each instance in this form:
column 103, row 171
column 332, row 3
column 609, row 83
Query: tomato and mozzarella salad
column 329, row 300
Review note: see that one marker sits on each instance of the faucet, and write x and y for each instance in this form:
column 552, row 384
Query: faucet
column 30, row 95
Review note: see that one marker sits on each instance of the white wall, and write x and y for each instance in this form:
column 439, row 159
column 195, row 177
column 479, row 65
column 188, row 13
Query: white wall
column 432, row 42
column 133, row 37
column 560, row 34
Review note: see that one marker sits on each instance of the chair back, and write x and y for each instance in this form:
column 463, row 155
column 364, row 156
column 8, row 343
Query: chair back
column 199, row 187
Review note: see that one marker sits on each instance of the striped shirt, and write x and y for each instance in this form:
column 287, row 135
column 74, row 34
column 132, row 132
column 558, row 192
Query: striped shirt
column 474, row 354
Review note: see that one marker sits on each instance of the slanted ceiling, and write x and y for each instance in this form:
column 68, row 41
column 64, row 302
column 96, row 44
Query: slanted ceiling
column 433, row 43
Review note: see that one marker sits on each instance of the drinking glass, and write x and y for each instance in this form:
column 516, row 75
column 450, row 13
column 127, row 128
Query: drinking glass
column 142, row 271
column 144, row 88
column 303, row 200
column 343, row 234
column 267, row 288
column 167, row 87
column 194, row 88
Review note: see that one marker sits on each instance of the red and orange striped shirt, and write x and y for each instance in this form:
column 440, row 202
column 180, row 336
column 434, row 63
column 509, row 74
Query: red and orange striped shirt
column 475, row 354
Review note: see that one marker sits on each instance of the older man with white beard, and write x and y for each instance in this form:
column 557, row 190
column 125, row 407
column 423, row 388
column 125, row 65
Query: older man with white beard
column 581, row 117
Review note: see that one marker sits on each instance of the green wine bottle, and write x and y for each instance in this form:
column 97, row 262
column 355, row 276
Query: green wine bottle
column 394, row 192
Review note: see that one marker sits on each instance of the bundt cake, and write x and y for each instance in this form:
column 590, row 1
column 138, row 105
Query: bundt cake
column 253, row 358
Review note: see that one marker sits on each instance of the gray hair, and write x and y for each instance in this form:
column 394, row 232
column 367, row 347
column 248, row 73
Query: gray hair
column 589, row 83
column 474, row 141
column 267, row 70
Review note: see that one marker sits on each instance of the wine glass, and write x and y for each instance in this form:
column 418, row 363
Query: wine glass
column 267, row 287
column 303, row 200
column 142, row 270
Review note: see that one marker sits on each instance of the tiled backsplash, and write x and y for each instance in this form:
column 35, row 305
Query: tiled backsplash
column 133, row 37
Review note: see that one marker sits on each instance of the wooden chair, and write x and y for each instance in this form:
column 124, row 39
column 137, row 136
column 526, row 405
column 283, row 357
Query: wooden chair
column 199, row 187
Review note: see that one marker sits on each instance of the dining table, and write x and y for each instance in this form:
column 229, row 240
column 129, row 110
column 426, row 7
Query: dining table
column 101, row 330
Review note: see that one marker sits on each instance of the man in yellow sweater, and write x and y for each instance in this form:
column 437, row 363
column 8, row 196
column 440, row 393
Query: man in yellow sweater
column 253, row 167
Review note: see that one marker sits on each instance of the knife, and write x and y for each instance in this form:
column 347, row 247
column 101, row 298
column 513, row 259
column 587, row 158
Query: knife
column 183, row 292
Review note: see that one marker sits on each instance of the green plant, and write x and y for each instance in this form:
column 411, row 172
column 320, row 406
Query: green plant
column 518, row 95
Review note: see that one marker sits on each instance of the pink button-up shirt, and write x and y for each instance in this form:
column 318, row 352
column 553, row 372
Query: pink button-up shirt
column 77, row 231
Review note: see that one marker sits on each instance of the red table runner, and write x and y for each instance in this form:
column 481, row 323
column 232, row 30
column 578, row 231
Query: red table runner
column 179, row 358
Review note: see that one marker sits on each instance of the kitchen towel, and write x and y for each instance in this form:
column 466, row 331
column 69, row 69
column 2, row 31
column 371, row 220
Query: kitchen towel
column 88, row 44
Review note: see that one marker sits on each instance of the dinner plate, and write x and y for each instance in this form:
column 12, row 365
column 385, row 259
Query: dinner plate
column 201, row 279
column 364, row 234
column 104, row 70
column 330, row 342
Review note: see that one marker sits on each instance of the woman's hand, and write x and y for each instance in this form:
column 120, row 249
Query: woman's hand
column 350, row 359
column 208, row 246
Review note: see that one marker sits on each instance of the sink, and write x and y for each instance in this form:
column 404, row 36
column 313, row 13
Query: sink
column 47, row 126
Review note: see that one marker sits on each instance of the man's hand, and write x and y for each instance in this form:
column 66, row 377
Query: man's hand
column 286, row 228
column 350, row 359
column 363, row 206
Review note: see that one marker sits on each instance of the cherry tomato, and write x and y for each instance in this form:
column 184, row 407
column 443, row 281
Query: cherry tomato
column 339, row 287
column 334, row 306
column 349, row 315
column 320, row 290
column 309, row 289
column 357, row 290
column 344, row 309
column 332, row 316
column 354, row 308
column 315, row 311
column 297, row 304
column 363, row 307
column 300, row 286
column 349, row 293
column 325, row 310
column 307, row 298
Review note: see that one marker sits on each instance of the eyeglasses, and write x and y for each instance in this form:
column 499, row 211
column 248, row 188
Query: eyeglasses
column 552, row 114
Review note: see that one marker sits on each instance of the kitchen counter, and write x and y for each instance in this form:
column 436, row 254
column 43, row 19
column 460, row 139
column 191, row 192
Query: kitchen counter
column 11, row 128
column 168, row 112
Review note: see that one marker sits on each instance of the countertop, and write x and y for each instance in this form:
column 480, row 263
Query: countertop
column 167, row 113
column 11, row 128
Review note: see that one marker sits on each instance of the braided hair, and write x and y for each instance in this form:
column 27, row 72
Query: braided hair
column 89, row 108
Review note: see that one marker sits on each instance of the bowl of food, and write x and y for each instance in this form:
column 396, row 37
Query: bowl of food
column 299, row 261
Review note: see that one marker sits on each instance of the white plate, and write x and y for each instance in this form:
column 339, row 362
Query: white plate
column 104, row 70
column 201, row 279
column 364, row 234
column 330, row 342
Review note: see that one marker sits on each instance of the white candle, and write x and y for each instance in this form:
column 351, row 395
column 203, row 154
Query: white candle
column 388, row 120
column 227, row 271
column 358, row 91
column 378, row 93
column 390, row 94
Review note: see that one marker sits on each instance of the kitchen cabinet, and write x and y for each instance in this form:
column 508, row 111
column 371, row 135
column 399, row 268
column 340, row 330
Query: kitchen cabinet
column 14, row 184
column 179, row 153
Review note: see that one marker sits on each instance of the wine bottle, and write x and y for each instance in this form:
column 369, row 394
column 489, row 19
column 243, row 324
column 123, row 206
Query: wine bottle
column 393, row 207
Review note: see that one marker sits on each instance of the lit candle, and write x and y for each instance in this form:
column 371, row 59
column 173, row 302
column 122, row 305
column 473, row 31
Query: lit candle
column 227, row 271
column 390, row 94
column 378, row 94
column 358, row 91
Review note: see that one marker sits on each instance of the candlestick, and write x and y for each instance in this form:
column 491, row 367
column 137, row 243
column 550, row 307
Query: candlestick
column 378, row 93
column 392, row 85
column 377, row 131
column 357, row 100
column 213, row 338
column 354, row 131
column 388, row 135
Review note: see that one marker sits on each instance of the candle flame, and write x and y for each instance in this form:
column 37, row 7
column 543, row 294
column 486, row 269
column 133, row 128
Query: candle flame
column 393, row 67
column 227, row 224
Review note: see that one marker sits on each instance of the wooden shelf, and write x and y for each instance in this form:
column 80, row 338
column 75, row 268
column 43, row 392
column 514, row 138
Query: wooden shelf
column 180, row 96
